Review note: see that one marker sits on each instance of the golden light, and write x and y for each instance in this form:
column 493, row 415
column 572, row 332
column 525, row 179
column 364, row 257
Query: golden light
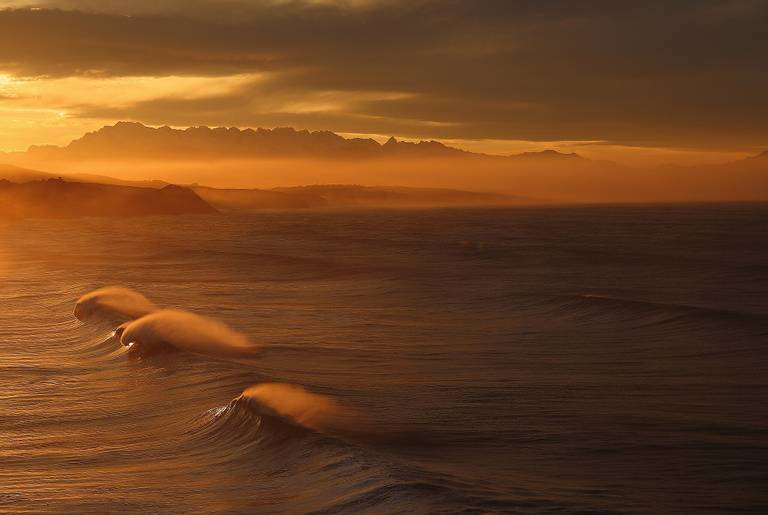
column 40, row 111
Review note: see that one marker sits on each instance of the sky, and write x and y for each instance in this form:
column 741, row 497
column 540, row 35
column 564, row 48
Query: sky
column 672, row 80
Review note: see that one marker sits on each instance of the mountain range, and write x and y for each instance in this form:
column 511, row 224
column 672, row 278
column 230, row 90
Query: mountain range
column 232, row 162
column 126, row 140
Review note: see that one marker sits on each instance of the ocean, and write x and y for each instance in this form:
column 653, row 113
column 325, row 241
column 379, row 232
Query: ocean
column 568, row 359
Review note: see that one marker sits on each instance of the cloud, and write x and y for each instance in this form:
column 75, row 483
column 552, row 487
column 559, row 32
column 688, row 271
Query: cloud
column 684, row 73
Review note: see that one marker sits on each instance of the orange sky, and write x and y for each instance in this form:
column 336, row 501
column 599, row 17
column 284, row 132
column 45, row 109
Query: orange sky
column 680, row 82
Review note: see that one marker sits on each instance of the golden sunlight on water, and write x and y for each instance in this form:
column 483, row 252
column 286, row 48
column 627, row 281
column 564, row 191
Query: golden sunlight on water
column 383, row 256
column 431, row 361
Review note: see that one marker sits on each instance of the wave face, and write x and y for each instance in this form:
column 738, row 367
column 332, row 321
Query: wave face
column 593, row 359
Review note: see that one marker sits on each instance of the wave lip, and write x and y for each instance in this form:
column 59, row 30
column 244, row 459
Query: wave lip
column 298, row 407
column 113, row 302
column 186, row 331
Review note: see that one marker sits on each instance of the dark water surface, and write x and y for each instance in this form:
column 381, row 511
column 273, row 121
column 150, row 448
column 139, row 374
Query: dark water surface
column 607, row 359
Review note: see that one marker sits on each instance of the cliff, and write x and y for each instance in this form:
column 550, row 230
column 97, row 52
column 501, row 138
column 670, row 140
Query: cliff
column 56, row 198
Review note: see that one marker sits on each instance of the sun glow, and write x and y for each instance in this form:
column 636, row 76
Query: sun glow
column 35, row 111
column 5, row 83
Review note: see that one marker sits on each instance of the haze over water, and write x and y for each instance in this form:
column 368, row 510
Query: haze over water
column 547, row 359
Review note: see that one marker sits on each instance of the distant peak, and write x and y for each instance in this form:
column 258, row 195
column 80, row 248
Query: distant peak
column 127, row 125
column 551, row 154
column 391, row 141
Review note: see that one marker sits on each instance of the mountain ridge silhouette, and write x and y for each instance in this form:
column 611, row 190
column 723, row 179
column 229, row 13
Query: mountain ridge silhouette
column 136, row 140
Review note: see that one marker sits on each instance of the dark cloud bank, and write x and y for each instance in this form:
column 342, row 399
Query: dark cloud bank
column 684, row 73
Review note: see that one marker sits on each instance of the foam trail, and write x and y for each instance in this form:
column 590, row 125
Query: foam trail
column 113, row 302
column 187, row 332
column 299, row 407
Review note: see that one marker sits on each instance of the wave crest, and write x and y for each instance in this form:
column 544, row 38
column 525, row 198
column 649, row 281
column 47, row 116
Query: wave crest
column 187, row 332
column 298, row 407
column 113, row 302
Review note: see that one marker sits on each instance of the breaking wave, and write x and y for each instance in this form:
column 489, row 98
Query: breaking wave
column 114, row 302
column 185, row 331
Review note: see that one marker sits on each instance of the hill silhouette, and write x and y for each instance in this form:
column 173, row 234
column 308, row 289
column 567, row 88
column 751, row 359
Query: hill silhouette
column 24, row 187
column 349, row 196
column 18, row 174
column 229, row 199
column 57, row 198
column 345, row 195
